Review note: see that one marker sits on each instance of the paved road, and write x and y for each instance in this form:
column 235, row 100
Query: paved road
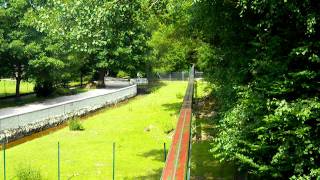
column 112, row 85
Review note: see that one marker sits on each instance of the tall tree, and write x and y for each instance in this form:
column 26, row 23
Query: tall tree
column 20, row 42
column 110, row 32
column 173, row 44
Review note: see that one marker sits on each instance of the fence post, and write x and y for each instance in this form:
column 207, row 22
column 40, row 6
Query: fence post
column 113, row 160
column 164, row 152
column 170, row 76
column 58, row 160
column 4, row 160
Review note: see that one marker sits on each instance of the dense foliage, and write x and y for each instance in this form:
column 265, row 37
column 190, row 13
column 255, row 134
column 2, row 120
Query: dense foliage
column 110, row 33
column 20, row 43
column 263, row 57
column 173, row 48
column 54, row 42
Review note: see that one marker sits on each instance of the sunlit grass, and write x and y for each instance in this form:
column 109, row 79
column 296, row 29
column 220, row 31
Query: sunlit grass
column 139, row 128
column 8, row 87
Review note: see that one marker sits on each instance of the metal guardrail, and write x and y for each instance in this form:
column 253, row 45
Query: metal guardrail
column 178, row 160
column 139, row 81
column 178, row 76
column 66, row 109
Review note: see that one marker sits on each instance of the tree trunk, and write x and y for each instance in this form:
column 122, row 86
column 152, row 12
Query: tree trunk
column 101, row 83
column 81, row 80
column 18, row 81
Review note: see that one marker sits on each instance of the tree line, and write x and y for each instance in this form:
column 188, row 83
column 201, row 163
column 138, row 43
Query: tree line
column 54, row 42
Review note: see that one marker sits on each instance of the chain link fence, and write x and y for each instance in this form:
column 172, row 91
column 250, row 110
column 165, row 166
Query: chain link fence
column 177, row 76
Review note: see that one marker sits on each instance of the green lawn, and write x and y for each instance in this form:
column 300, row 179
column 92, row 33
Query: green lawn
column 8, row 87
column 139, row 128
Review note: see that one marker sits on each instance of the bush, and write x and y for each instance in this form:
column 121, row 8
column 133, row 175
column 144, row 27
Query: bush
column 43, row 89
column 62, row 91
column 179, row 95
column 122, row 74
column 27, row 173
column 75, row 125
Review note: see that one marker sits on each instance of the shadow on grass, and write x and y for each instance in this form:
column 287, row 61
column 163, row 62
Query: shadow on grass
column 203, row 163
column 152, row 87
column 173, row 107
column 23, row 100
column 205, row 166
column 153, row 175
column 155, row 154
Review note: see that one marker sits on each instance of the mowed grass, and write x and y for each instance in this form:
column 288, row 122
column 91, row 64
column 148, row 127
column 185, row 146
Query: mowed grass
column 8, row 87
column 139, row 128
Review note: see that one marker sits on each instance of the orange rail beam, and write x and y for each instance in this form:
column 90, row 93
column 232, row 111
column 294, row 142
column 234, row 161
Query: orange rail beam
column 177, row 162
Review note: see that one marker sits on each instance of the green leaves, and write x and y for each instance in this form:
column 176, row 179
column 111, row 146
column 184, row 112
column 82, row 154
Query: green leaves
column 264, row 58
column 46, row 69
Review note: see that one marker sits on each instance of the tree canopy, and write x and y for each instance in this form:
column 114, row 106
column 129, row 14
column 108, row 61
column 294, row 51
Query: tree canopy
column 85, row 37
column 263, row 57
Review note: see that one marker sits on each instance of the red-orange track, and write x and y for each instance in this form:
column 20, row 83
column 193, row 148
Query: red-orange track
column 177, row 160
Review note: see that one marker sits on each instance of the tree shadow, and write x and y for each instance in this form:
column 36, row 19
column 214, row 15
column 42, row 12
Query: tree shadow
column 155, row 154
column 152, row 87
column 203, row 163
column 153, row 175
column 174, row 107
column 205, row 166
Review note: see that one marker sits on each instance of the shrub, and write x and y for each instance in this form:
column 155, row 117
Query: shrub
column 43, row 90
column 75, row 125
column 62, row 91
column 122, row 74
column 179, row 95
column 27, row 173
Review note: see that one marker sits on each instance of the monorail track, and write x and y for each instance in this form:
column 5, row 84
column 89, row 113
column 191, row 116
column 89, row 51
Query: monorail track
column 177, row 163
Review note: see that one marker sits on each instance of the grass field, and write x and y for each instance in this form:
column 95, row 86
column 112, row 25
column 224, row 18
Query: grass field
column 8, row 87
column 139, row 128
